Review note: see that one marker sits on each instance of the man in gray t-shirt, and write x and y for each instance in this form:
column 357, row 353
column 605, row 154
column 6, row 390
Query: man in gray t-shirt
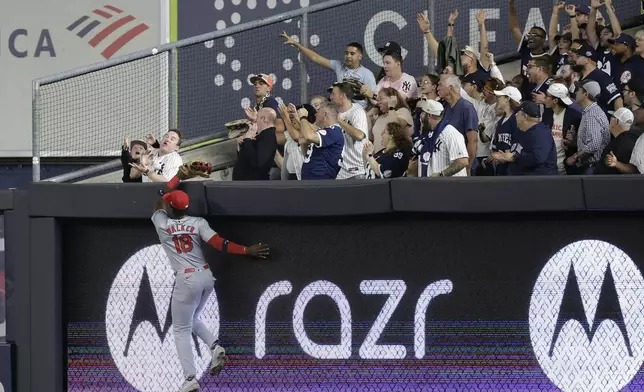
column 349, row 70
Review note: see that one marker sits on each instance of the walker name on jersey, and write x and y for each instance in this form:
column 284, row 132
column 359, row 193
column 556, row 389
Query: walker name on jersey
column 180, row 229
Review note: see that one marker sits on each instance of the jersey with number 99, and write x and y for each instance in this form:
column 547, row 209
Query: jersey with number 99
column 181, row 239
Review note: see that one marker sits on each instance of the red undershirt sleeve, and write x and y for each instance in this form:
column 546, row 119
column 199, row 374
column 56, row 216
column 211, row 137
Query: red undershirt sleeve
column 221, row 244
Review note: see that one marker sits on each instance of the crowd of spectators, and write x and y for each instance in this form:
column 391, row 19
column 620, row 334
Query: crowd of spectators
column 573, row 108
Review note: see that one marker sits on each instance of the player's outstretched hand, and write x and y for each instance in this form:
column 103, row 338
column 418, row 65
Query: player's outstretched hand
column 258, row 250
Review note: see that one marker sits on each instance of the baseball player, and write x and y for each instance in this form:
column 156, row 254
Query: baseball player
column 181, row 236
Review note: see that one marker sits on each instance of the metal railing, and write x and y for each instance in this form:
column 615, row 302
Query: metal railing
column 176, row 96
column 171, row 49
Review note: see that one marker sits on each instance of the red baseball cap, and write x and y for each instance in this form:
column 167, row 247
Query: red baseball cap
column 177, row 199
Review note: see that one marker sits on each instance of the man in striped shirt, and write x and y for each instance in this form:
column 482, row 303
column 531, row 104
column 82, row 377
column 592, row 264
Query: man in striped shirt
column 444, row 153
column 355, row 127
column 163, row 163
column 593, row 135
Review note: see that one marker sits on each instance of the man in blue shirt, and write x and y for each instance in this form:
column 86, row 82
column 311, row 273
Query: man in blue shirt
column 348, row 69
column 460, row 114
column 321, row 143
column 533, row 149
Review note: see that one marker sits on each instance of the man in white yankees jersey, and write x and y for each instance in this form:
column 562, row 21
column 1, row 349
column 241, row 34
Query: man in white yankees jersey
column 355, row 127
column 181, row 236
column 442, row 151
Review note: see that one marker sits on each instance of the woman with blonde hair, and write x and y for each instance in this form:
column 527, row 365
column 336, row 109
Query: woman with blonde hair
column 391, row 161
column 391, row 108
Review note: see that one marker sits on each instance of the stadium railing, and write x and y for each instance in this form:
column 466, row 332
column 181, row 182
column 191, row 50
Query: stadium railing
column 200, row 83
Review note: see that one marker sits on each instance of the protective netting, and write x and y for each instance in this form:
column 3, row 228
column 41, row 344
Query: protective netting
column 89, row 115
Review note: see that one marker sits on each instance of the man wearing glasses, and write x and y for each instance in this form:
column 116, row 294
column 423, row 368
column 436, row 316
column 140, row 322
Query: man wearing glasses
column 532, row 45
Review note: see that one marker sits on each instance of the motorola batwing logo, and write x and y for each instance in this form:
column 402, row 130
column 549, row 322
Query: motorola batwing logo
column 138, row 323
column 118, row 30
column 587, row 318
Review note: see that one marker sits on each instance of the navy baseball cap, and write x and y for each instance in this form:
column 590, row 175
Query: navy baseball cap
column 582, row 9
column 310, row 110
column 565, row 37
column 472, row 79
column 586, row 51
column 530, row 109
column 623, row 39
column 390, row 46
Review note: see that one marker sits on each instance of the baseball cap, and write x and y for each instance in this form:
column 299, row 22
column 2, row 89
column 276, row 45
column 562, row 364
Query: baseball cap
column 582, row 9
column 625, row 117
column 390, row 45
column 590, row 86
column 530, row 109
column 565, row 37
column 586, row 51
column 511, row 92
column 623, row 39
column 263, row 78
column 140, row 142
column 471, row 49
column 431, row 107
column 472, row 79
column 177, row 199
column 559, row 90
column 310, row 110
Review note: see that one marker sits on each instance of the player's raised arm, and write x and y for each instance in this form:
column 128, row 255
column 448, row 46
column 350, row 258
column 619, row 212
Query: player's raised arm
column 186, row 171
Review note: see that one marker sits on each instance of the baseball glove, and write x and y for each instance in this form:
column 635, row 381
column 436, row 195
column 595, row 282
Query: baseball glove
column 194, row 169
column 356, row 85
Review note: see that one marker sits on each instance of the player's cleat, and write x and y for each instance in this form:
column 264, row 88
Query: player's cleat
column 218, row 360
column 190, row 385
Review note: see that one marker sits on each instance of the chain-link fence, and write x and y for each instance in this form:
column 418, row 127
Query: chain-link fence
column 205, row 82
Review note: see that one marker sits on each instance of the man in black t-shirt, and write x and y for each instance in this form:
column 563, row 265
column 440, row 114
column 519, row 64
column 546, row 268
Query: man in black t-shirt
column 621, row 146
column 532, row 44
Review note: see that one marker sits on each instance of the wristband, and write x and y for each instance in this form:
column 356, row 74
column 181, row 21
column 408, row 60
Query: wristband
column 392, row 108
column 427, row 32
column 303, row 118
column 370, row 155
column 450, row 24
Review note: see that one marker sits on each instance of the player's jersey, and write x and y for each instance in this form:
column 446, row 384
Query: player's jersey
column 181, row 239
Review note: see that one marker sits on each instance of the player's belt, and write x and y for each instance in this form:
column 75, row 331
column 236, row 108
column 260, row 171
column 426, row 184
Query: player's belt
column 191, row 270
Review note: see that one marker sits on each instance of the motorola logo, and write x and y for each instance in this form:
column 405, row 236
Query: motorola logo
column 587, row 318
column 138, row 323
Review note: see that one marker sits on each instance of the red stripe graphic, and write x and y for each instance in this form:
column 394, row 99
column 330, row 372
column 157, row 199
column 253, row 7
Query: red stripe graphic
column 111, row 7
column 102, row 13
column 124, row 39
column 101, row 35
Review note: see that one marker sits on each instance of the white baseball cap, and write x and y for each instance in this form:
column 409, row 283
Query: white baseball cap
column 431, row 107
column 471, row 49
column 624, row 117
column 559, row 90
column 511, row 92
